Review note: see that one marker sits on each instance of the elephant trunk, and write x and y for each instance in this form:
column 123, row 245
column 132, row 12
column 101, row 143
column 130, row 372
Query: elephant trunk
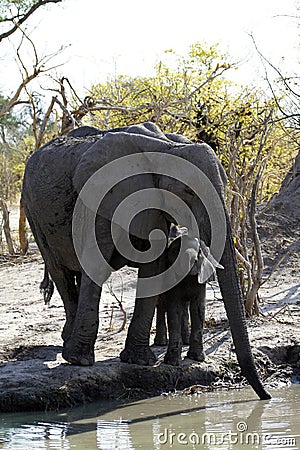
column 233, row 301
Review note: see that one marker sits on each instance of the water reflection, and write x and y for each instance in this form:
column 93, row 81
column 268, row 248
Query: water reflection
column 115, row 434
column 219, row 420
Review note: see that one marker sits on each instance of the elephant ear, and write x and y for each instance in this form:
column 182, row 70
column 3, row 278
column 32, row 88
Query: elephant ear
column 207, row 265
column 186, row 249
column 107, row 185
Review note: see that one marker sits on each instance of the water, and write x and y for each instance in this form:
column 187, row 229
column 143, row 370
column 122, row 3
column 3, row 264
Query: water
column 216, row 420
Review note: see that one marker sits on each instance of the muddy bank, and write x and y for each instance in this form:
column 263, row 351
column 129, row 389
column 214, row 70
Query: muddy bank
column 33, row 375
column 37, row 386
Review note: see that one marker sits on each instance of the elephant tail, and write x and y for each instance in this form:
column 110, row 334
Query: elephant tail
column 47, row 287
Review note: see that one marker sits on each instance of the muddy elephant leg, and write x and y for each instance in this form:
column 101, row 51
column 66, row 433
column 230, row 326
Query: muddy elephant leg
column 161, row 327
column 137, row 349
column 197, row 313
column 64, row 280
column 185, row 329
column 79, row 348
column 174, row 318
column 62, row 277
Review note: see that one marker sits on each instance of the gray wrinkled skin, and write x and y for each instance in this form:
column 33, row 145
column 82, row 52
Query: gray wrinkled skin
column 54, row 177
column 185, row 299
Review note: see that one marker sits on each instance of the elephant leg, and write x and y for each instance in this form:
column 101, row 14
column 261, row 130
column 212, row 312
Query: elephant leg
column 137, row 349
column 185, row 328
column 197, row 312
column 65, row 284
column 174, row 318
column 161, row 327
column 79, row 348
column 64, row 280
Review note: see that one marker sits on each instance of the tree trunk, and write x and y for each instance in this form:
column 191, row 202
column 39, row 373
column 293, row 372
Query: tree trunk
column 22, row 231
column 257, row 269
column 6, row 227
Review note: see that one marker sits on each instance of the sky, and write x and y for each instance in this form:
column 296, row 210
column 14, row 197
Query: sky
column 129, row 37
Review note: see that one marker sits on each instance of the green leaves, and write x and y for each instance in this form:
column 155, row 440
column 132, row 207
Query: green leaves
column 190, row 95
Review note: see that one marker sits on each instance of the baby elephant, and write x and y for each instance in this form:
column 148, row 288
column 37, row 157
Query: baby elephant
column 189, row 292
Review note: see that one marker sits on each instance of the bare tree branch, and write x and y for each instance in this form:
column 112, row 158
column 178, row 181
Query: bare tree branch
column 38, row 68
column 263, row 58
column 294, row 96
column 257, row 272
column 19, row 20
column 15, row 98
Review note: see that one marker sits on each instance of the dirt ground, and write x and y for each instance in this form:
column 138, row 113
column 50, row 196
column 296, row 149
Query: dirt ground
column 33, row 375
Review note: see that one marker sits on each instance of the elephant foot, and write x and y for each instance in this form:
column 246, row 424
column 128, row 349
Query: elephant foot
column 78, row 354
column 196, row 355
column 172, row 358
column 141, row 355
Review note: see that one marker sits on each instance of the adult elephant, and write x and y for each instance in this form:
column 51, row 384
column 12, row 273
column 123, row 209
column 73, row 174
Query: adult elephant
column 93, row 199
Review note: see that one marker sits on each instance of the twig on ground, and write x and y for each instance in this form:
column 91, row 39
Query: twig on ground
column 275, row 267
column 282, row 310
column 120, row 303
